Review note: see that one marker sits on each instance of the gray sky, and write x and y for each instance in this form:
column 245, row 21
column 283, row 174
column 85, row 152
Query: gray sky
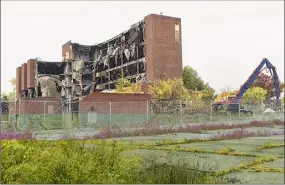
column 224, row 41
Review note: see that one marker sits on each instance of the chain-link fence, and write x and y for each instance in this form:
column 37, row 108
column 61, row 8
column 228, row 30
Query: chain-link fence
column 177, row 112
column 102, row 114
column 45, row 115
column 8, row 114
column 39, row 115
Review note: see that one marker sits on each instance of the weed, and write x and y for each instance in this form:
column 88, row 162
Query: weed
column 240, row 167
column 235, row 180
column 10, row 135
column 226, row 151
column 177, row 174
column 65, row 162
column 71, row 161
column 268, row 146
column 157, row 129
column 242, row 133
column 278, row 122
column 266, row 169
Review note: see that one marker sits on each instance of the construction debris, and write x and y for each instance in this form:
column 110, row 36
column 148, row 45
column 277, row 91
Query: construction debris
column 268, row 110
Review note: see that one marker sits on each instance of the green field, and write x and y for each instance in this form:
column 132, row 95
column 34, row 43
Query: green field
column 210, row 154
column 227, row 162
column 247, row 160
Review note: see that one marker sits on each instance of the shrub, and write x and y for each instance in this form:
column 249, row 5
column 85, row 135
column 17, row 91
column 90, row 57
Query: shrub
column 242, row 133
column 76, row 162
column 177, row 174
column 49, row 162
column 10, row 135
column 156, row 129
column 278, row 122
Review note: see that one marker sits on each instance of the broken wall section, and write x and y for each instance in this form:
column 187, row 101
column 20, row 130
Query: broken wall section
column 122, row 55
column 50, row 79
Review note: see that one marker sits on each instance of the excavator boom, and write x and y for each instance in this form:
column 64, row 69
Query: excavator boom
column 235, row 100
column 254, row 75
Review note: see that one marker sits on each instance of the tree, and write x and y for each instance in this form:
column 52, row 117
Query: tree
column 11, row 95
column 265, row 81
column 38, row 59
column 208, row 93
column 13, row 82
column 254, row 95
column 124, row 85
column 205, row 95
column 168, row 89
column 160, row 89
column 191, row 79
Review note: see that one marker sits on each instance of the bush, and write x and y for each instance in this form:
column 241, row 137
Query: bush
column 76, row 162
column 177, row 174
column 49, row 162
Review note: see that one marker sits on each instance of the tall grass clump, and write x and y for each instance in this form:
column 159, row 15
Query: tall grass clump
column 177, row 174
column 158, row 129
column 77, row 162
column 65, row 162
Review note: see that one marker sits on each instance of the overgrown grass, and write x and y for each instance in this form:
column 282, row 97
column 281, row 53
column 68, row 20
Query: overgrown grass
column 16, row 135
column 240, row 167
column 157, row 129
column 72, row 161
column 268, row 146
column 225, row 151
column 178, row 174
column 258, row 168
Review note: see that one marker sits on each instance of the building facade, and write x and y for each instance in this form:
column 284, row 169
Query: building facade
column 149, row 50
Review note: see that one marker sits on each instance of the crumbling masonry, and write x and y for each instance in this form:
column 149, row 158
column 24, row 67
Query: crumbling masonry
column 149, row 49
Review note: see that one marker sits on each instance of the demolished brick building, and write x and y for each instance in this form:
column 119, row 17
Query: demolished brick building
column 150, row 48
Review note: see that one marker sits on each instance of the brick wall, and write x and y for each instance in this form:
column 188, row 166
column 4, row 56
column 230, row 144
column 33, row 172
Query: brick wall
column 163, row 46
column 18, row 81
column 66, row 51
column 39, row 106
column 31, row 64
column 24, row 76
column 121, row 103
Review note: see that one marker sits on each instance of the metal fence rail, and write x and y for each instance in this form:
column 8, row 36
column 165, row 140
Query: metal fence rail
column 35, row 115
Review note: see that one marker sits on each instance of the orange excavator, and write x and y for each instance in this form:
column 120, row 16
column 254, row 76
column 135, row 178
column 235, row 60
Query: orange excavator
column 233, row 102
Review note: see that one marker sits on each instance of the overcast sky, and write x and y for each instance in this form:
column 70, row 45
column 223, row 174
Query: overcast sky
column 224, row 41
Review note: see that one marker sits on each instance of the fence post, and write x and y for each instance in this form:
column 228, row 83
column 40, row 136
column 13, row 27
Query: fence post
column 211, row 110
column 15, row 116
column 0, row 116
column 19, row 113
column 181, row 116
column 262, row 109
column 44, row 113
column 147, row 111
column 239, row 111
column 110, row 113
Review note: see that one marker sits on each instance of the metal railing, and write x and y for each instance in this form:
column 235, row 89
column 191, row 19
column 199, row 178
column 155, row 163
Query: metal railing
column 35, row 115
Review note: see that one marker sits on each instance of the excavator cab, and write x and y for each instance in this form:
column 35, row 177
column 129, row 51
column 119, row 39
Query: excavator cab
column 231, row 98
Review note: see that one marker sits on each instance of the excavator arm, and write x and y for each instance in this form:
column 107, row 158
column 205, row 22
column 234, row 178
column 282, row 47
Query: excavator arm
column 254, row 75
